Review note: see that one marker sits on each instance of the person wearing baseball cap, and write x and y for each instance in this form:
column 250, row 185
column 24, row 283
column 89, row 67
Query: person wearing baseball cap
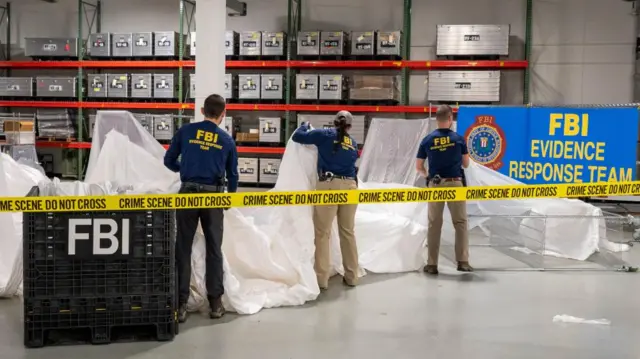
column 337, row 156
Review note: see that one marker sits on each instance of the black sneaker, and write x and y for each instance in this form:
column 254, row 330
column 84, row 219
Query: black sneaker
column 217, row 309
column 182, row 313
column 431, row 269
column 464, row 267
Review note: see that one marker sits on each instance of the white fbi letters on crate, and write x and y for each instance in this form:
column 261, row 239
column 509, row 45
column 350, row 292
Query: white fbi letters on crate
column 95, row 237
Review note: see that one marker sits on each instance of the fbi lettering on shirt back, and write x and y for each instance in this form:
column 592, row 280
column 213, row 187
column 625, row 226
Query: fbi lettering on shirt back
column 442, row 143
column 206, row 140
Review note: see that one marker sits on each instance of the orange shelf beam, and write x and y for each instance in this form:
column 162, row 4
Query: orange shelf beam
column 416, row 65
column 87, row 145
column 96, row 105
column 230, row 107
column 464, row 64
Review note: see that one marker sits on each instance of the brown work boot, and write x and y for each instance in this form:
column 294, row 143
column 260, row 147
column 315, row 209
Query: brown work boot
column 182, row 313
column 431, row 269
column 348, row 283
column 217, row 309
column 464, row 267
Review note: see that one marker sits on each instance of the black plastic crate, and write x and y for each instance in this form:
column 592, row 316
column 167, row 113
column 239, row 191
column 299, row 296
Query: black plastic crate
column 152, row 233
column 51, row 272
column 99, row 320
column 67, row 279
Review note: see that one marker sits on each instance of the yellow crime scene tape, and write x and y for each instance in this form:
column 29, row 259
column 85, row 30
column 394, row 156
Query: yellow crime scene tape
column 302, row 198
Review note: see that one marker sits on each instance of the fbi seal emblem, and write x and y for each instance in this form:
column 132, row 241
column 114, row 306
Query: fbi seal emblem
column 486, row 142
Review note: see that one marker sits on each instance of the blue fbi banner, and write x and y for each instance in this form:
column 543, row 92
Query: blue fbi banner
column 553, row 145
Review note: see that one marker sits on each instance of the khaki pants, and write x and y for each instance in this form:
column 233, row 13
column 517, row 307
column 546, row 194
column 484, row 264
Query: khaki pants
column 323, row 217
column 458, row 210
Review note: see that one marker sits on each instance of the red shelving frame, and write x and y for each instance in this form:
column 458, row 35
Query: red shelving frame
column 87, row 145
column 231, row 106
column 415, row 65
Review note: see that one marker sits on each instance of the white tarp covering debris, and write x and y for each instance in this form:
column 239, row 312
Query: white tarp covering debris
column 269, row 251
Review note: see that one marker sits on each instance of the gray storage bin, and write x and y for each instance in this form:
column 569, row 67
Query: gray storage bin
column 227, row 125
column 16, row 86
column 229, row 87
column 99, row 45
column 271, row 87
column 164, row 86
column 163, row 127
column 122, row 45
column 269, row 168
column 464, row 86
column 97, row 86
column 118, row 85
column 250, row 43
column 143, row 44
column 249, row 87
column 231, row 43
column 389, row 43
column 192, row 86
column 270, row 130
column 248, row 170
column 332, row 87
column 308, row 43
column 61, row 47
column 333, row 43
column 166, row 44
column 56, row 87
column 363, row 43
column 146, row 121
column 470, row 40
column 141, row 86
column 273, row 43
column 307, row 86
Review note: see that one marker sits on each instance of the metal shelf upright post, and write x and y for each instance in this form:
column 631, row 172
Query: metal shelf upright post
column 527, row 50
column 293, row 27
column 188, row 15
column 84, row 10
column 5, row 14
column 406, row 51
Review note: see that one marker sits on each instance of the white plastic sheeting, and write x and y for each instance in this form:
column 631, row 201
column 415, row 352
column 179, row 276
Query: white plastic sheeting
column 268, row 252
column 16, row 180
column 576, row 232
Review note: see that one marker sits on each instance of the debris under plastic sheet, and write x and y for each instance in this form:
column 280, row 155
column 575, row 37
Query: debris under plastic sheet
column 564, row 318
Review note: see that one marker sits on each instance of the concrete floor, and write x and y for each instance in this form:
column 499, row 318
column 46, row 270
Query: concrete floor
column 482, row 315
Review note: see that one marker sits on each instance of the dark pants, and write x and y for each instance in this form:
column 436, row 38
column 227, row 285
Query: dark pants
column 212, row 226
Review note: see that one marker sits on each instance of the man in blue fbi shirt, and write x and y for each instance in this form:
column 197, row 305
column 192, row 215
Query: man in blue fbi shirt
column 447, row 154
column 337, row 156
column 207, row 155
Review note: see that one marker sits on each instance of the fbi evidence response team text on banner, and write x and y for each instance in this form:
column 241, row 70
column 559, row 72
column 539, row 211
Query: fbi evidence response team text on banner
column 553, row 145
column 301, row 198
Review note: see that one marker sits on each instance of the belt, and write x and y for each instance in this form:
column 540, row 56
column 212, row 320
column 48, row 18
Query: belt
column 197, row 187
column 328, row 176
column 454, row 179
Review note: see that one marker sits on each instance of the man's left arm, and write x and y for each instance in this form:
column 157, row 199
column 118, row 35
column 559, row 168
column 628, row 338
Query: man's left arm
column 172, row 154
column 420, row 158
column 465, row 154
column 231, row 168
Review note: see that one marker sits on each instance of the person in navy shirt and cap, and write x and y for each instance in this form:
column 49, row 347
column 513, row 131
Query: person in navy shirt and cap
column 337, row 156
column 207, row 155
column 446, row 152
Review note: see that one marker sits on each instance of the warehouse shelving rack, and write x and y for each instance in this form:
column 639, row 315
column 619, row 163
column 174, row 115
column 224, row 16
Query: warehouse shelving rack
column 89, row 16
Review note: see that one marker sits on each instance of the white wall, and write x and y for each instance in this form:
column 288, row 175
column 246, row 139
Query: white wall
column 583, row 50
